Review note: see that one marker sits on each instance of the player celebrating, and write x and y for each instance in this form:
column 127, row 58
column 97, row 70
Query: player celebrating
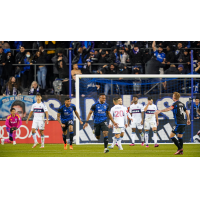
column 39, row 108
column 101, row 111
column 119, row 114
column 67, row 120
column 137, row 119
column 179, row 110
column 151, row 121
column 13, row 122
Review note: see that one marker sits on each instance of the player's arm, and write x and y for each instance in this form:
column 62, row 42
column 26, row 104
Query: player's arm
column 164, row 110
column 76, row 113
column 157, row 120
column 188, row 117
column 19, row 122
column 47, row 116
column 142, row 122
column 110, row 122
column 154, row 46
column 58, row 118
column 7, row 122
column 29, row 116
column 125, row 115
column 88, row 117
column 146, row 107
column 111, row 118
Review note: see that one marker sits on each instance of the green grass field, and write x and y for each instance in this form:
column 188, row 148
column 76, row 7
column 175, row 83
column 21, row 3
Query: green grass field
column 57, row 150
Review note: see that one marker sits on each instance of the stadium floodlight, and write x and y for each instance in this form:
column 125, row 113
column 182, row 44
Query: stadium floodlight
column 159, row 87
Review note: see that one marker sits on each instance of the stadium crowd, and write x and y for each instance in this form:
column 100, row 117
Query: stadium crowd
column 100, row 57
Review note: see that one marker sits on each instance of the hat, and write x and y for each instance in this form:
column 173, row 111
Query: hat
column 181, row 66
column 92, row 50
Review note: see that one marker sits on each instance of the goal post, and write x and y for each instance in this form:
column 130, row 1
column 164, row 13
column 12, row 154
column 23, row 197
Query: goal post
column 160, row 87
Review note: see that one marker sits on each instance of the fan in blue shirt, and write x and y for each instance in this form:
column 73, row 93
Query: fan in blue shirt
column 160, row 55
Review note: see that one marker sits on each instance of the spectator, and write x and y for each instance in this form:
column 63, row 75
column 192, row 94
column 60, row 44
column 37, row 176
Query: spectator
column 123, row 69
column 63, row 69
column 124, row 57
column 17, row 45
column 56, row 60
column 40, row 58
column 103, row 57
column 196, row 106
column 169, row 57
column 5, row 46
column 75, row 70
column 20, row 55
column 136, row 58
column 114, row 56
column 182, row 70
column 160, row 55
column 146, row 56
column 153, row 66
column 2, row 63
column 172, row 70
column 34, row 89
column 136, row 70
column 86, row 68
column 179, row 52
column 197, row 69
column 88, row 44
column 38, row 45
column 9, row 69
column 12, row 88
column 27, row 72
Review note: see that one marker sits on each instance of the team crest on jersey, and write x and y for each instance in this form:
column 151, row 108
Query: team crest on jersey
column 105, row 107
column 71, row 109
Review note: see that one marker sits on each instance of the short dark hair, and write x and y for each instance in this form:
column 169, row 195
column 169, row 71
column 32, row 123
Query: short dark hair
column 150, row 98
column 102, row 94
column 19, row 103
column 38, row 94
column 67, row 98
column 135, row 96
column 115, row 99
column 12, row 109
column 196, row 98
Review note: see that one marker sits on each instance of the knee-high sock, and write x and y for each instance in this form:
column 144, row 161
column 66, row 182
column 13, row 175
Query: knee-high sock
column 146, row 137
column 119, row 142
column 14, row 136
column 7, row 141
column 64, row 138
column 114, row 141
column 133, row 137
column 155, row 137
column 42, row 140
column 176, row 142
column 71, row 137
column 34, row 137
column 142, row 136
column 105, row 142
column 180, row 142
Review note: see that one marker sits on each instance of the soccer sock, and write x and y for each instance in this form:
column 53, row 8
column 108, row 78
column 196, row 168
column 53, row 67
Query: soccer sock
column 7, row 141
column 142, row 136
column 180, row 142
column 155, row 137
column 176, row 142
column 14, row 135
column 114, row 141
column 34, row 137
column 64, row 138
column 105, row 142
column 119, row 142
column 42, row 140
column 146, row 137
column 133, row 137
column 71, row 137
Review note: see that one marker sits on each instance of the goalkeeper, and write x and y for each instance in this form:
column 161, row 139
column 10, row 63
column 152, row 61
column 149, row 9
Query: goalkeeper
column 13, row 122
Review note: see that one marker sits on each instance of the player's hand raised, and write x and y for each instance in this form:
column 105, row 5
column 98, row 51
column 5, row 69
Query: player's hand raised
column 85, row 125
column 63, row 125
column 188, row 122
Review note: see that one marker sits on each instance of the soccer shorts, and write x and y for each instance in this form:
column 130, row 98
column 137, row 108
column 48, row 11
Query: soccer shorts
column 179, row 129
column 118, row 130
column 38, row 125
column 67, row 124
column 135, row 124
column 148, row 125
column 103, row 126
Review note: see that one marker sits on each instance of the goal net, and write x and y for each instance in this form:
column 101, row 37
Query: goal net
column 159, row 87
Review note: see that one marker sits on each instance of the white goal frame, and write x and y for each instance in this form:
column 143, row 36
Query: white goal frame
column 78, row 76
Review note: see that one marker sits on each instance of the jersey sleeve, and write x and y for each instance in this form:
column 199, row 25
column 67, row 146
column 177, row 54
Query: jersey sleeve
column 74, row 107
column 108, row 108
column 173, row 105
column 32, row 108
column 184, row 108
column 93, row 107
column 45, row 108
column 60, row 109
column 7, row 122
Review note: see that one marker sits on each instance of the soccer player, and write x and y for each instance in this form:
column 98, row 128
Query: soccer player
column 13, row 122
column 179, row 110
column 65, row 112
column 119, row 113
column 137, row 119
column 39, row 109
column 151, row 121
column 101, row 111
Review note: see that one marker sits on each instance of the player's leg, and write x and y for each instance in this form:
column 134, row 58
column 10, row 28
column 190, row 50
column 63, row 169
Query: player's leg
column 14, row 137
column 71, row 135
column 64, row 129
column 146, row 127
column 41, row 128
column 140, row 127
column 172, row 134
column 114, row 142
column 133, row 134
column 180, row 139
column 97, row 130
column 105, row 134
column 155, row 136
column 34, row 127
column 119, row 141
column 121, row 137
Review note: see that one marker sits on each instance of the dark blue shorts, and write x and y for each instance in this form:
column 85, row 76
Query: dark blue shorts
column 179, row 129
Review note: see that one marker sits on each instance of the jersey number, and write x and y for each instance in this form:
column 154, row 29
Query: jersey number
column 181, row 111
column 119, row 113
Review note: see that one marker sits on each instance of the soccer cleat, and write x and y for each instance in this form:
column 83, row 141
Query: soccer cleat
column 106, row 150
column 42, row 147
column 14, row 142
column 2, row 141
column 179, row 152
column 120, row 148
column 110, row 147
column 35, row 145
column 147, row 145
column 132, row 144
column 142, row 143
column 156, row 145
column 71, row 147
column 65, row 146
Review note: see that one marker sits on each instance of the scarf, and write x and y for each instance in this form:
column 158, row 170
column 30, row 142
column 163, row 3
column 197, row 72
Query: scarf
column 32, row 90
column 14, row 92
column 135, row 52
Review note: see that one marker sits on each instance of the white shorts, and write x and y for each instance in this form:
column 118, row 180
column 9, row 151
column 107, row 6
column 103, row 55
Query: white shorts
column 38, row 125
column 118, row 130
column 148, row 125
column 136, row 125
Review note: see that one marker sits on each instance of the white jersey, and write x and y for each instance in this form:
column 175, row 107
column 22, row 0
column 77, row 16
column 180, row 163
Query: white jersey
column 149, row 114
column 136, row 112
column 119, row 114
column 39, row 110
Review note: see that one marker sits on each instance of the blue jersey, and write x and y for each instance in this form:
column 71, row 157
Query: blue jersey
column 160, row 56
column 100, row 112
column 179, row 113
column 66, row 113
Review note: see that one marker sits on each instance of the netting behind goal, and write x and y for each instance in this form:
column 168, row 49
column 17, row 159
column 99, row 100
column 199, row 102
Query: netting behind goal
column 159, row 88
